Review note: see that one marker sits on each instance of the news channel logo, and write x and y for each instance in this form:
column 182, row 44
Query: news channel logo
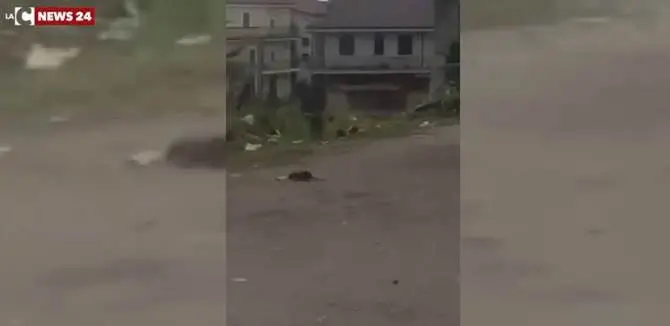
column 23, row 16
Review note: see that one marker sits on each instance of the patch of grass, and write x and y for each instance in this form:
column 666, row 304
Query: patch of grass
column 295, row 143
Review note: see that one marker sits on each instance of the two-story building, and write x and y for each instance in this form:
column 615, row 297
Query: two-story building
column 375, row 50
column 271, row 36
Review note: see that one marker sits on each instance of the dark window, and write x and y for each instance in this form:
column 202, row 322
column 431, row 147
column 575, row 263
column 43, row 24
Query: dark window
column 272, row 23
column 405, row 44
column 379, row 44
column 272, row 56
column 305, row 41
column 246, row 20
column 347, row 44
column 252, row 56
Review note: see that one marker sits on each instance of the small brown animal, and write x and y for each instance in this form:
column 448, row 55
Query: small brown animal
column 300, row 176
column 303, row 176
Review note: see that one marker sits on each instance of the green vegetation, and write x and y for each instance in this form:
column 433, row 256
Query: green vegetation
column 285, row 137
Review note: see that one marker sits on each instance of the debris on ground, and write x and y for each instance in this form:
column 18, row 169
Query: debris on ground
column 299, row 141
column 194, row 40
column 40, row 57
column 240, row 280
column 354, row 130
column 146, row 157
column 4, row 149
column 122, row 29
column 273, row 137
column 248, row 119
column 249, row 147
column 425, row 124
column 299, row 176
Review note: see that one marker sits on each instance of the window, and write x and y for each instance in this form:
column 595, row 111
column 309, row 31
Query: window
column 305, row 41
column 272, row 23
column 405, row 44
column 252, row 56
column 246, row 19
column 347, row 44
column 272, row 55
column 379, row 44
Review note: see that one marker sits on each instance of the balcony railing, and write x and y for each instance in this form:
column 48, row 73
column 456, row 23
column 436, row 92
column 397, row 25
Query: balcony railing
column 370, row 62
column 261, row 32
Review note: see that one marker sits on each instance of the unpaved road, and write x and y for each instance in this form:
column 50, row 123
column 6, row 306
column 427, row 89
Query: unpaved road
column 566, row 176
column 86, row 240
column 330, row 252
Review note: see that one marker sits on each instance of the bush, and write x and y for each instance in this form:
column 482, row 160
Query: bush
column 450, row 104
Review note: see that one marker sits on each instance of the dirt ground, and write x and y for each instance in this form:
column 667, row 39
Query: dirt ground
column 565, row 172
column 330, row 252
column 87, row 240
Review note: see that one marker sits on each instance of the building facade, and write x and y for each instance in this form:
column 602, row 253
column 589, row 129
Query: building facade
column 272, row 38
column 376, row 53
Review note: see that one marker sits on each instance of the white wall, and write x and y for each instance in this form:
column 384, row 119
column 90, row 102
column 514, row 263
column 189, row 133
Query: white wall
column 282, row 54
column 259, row 16
column 422, row 54
column 302, row 20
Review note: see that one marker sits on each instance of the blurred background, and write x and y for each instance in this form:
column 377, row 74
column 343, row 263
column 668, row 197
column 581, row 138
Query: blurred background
column 154, row 55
